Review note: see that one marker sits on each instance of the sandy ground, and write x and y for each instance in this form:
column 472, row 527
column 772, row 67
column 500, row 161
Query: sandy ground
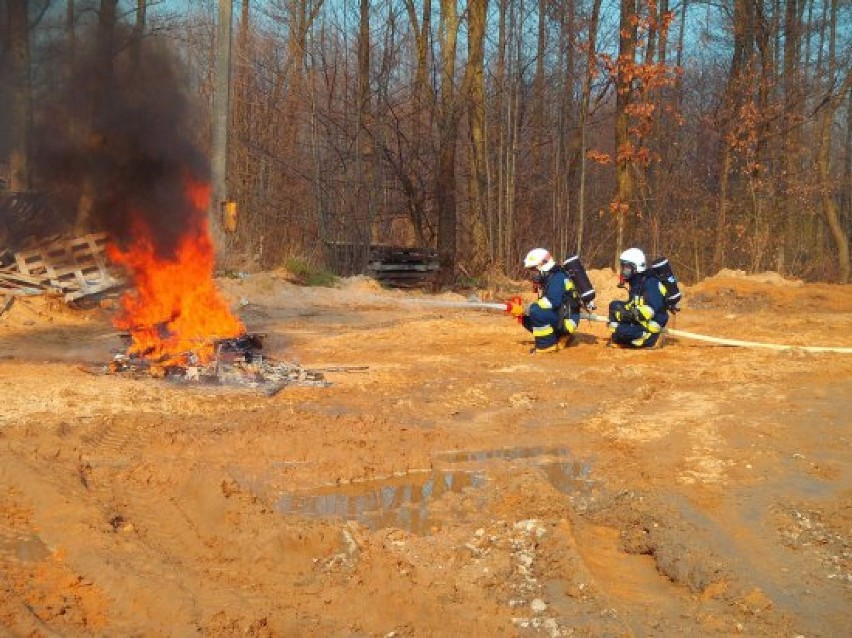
column 446, row 483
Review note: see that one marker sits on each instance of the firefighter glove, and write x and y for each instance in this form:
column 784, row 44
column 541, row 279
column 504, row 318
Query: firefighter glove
column 515, row 308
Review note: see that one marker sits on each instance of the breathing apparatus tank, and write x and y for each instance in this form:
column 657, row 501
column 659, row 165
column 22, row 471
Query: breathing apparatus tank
column 663, row 271
column 573, row 267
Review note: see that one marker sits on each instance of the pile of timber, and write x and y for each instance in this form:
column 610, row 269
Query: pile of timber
column 74, row 268
column 395, row 266
column 403, row 267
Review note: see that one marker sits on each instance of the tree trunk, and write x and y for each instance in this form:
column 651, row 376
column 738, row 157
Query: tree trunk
column 731, row 102
column 475, row 85
column 829, row 203
column 219, row 135
column 847, row 165
column 71, row 35
column 101, row 87
column 139, row 30
column 445, row 176
column 624, row 197
column 591, row 56
column 761, row 184
column 791, row 145
column 365, row 169
column 421, row 117
column 21, row 103
column 565, row 159
column 499, row 230
column 829, row 108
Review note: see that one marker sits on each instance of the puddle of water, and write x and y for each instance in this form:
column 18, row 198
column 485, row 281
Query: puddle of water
column 404, row 502
column 568, row 477
column 506, row 454
column 564, row 473
column 27, row 549
column 401, row 502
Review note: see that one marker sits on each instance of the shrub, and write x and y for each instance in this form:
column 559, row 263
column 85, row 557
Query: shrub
column 308, row 275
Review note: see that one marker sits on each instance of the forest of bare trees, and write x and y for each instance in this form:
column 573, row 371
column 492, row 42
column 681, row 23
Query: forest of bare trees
column 717, row 133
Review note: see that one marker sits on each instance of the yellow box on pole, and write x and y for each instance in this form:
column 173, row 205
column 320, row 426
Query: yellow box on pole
column 229, row 216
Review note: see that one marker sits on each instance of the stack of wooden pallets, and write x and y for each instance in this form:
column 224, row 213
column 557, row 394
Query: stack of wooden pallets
column 403, row 267
column 395, row 266
column 74, row 268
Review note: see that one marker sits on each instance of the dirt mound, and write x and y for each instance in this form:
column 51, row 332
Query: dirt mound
column 360, row 283
column 766, row 277
column 734, row 290
column 605, row 281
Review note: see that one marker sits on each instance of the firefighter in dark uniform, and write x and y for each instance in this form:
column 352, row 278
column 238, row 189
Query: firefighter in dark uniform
column 556, row 312
column 638, row 322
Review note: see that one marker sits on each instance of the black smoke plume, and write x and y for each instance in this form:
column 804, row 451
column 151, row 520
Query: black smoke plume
column 120, row 140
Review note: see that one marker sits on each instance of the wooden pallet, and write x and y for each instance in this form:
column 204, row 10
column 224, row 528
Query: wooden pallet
column 396, row 266
column 6, row 301
column 75, row 267
column 403, row 267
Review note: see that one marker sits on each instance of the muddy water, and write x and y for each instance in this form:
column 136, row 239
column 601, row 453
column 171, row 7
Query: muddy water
column 404, row 501
column 29, row 548
column 400, row 502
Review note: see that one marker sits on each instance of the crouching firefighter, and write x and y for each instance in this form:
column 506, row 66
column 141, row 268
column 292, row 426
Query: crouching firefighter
column 638, row 322
column 556, row 312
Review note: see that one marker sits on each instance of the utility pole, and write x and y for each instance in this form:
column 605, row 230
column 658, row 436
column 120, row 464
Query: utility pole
column 219, row 136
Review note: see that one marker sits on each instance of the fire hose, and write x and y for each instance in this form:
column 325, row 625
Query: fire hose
column 738, row 343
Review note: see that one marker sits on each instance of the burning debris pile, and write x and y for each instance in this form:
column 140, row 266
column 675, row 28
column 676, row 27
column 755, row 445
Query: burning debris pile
column 235, row 362
column 177, row 325
column 124, row 161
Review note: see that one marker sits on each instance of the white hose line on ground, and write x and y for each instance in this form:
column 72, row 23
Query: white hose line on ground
column 733, row 342
column 738, row 343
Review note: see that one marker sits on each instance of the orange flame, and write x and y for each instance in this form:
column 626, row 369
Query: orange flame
column 174, row 308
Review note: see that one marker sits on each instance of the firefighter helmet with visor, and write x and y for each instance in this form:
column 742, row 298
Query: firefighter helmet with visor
column 632, row 263
column 540, row 259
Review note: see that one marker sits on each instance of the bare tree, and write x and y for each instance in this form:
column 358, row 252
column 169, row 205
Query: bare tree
column 220, row 119
column 834, row 97
column 445, row 174
column 21, row 102
column 625, row 191
column 591, row 57
column 365, row 169
column 475, row 91
column 99, row 89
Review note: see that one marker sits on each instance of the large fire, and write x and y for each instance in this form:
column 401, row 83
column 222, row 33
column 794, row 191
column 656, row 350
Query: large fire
column 174, row 308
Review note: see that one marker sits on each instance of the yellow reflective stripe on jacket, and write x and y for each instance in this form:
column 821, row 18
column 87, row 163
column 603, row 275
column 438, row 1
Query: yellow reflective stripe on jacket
column 570, row 326
column 542, row 331
column 641, row 340
column 646, row 311
column 544, row 303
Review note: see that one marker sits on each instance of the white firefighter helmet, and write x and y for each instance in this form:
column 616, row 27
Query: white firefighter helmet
column 540, row 259
column 635, row 257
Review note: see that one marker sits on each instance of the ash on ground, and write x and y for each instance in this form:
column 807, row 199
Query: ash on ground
column 238, row 362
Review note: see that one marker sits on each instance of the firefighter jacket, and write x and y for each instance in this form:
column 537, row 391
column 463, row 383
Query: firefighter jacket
column 557, row 285
column 647, row 296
